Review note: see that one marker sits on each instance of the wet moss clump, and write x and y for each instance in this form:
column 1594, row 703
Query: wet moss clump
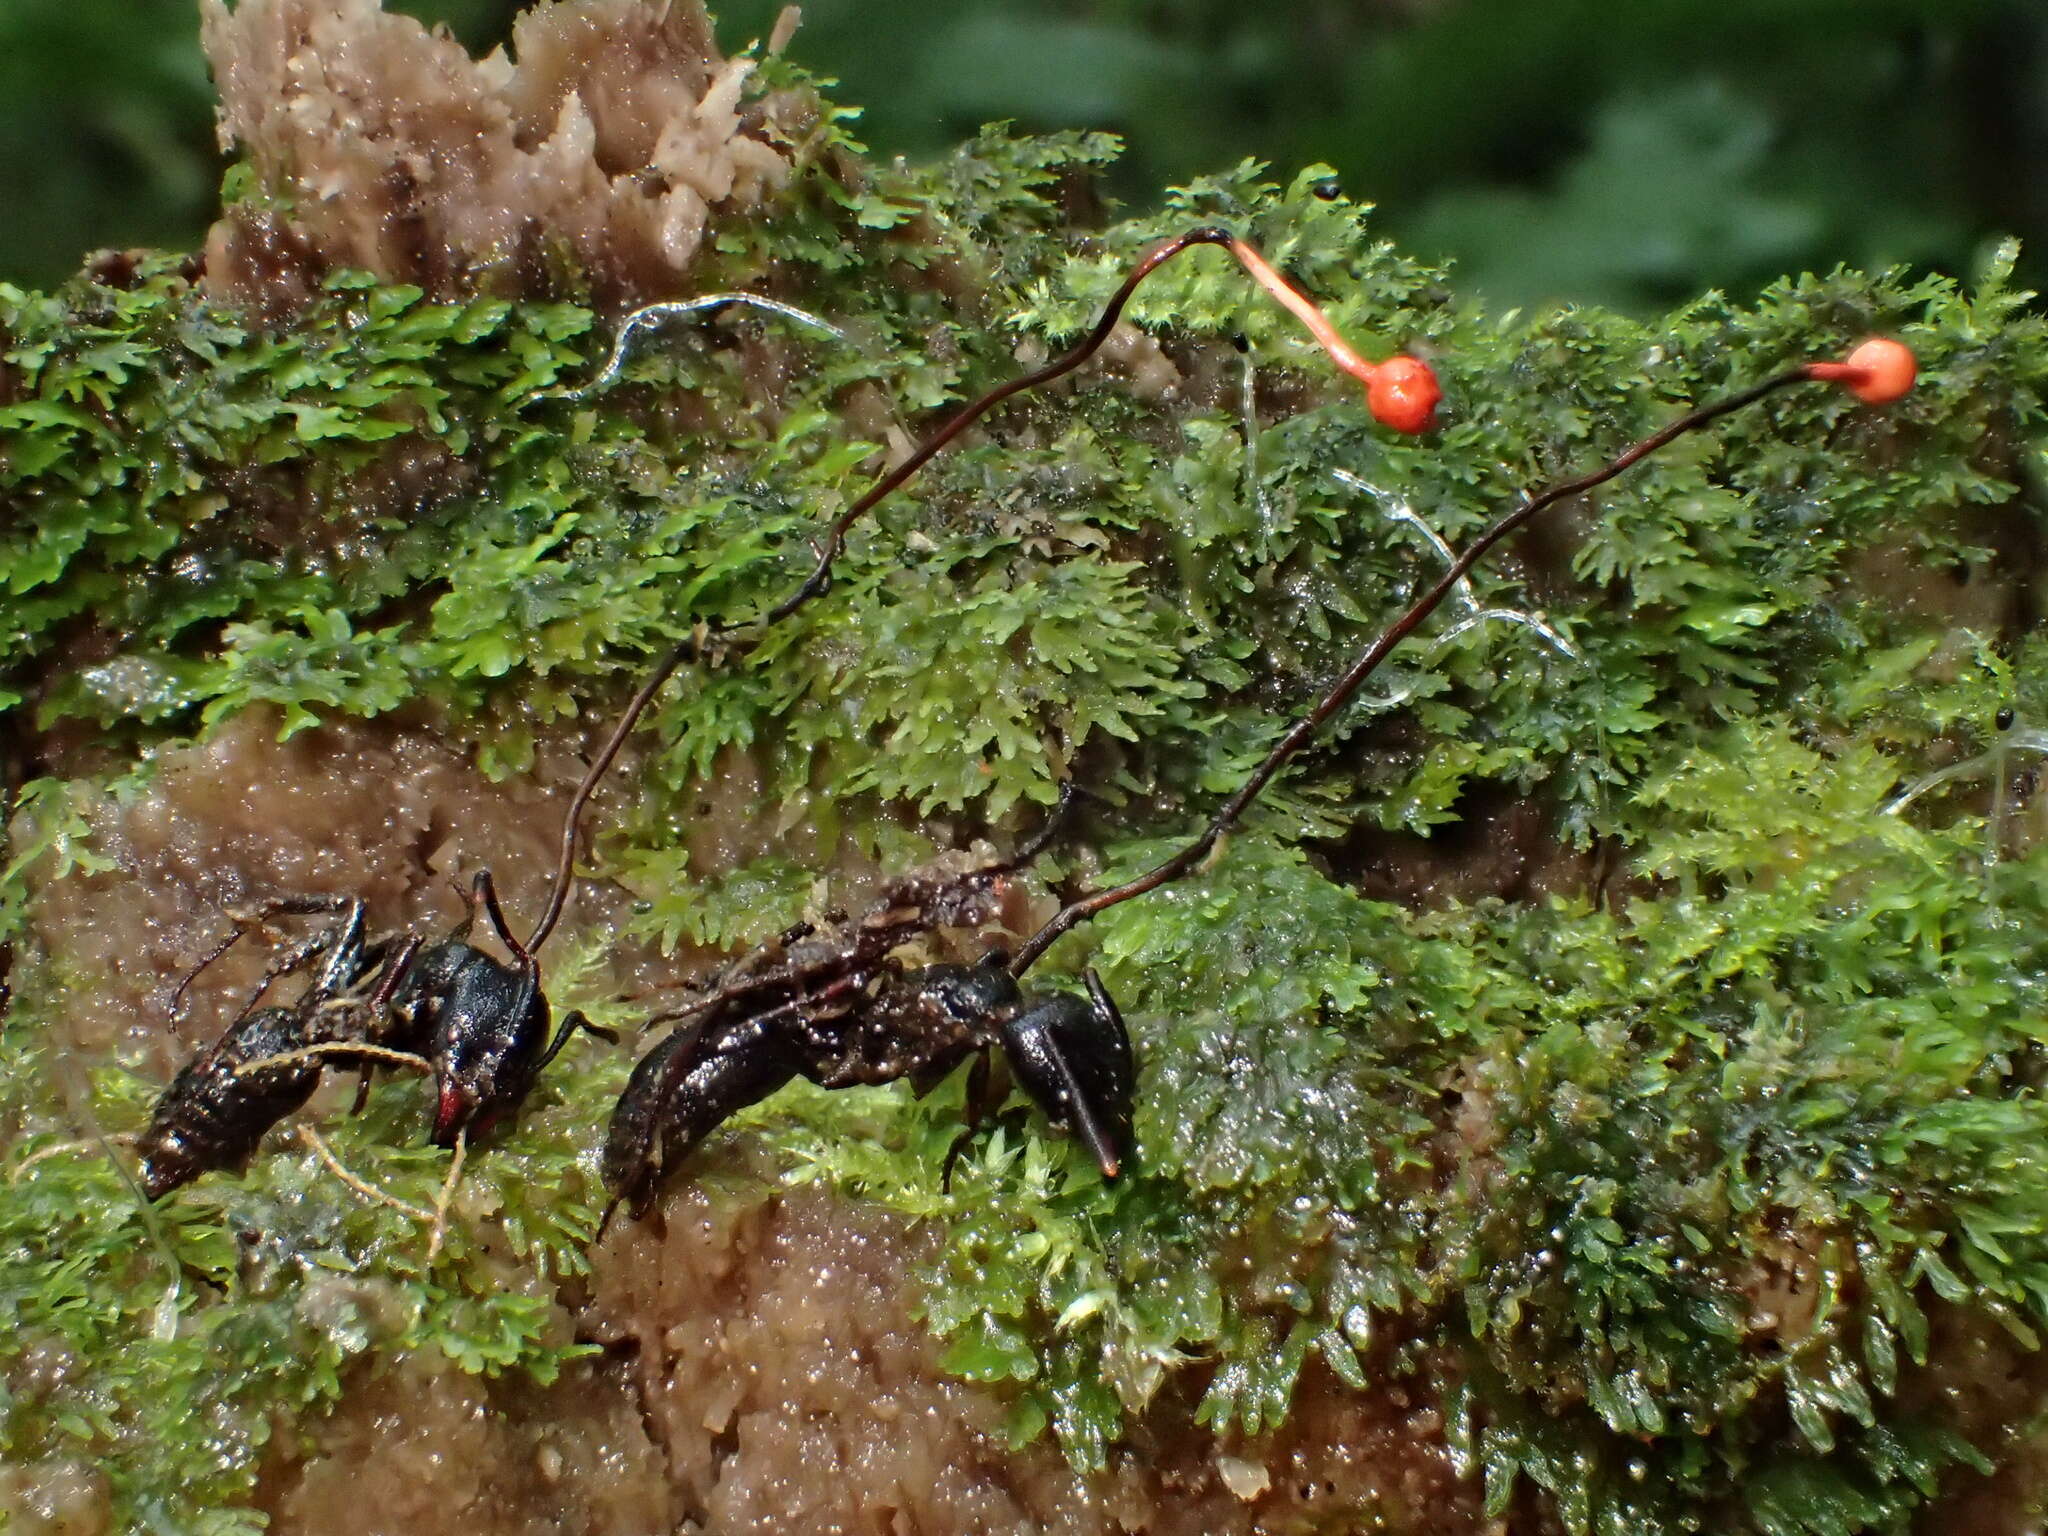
column 1659, row 1145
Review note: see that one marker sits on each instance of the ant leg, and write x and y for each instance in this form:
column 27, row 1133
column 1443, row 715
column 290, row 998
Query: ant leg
column 447, row 1195
column 467, row 896
column 293, row 960
column 396, row 967
column 360, row 1185
column 177, row 1008
column 383, row 1009
column 984, row 1098
column 345, row 958
column 1042, row 839
column 345, row 938
column 360, row 1015
column 258, row 915
column 572, row 1022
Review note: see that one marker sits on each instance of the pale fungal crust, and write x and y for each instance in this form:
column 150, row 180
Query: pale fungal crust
column 606, row 142
column 761, row 1374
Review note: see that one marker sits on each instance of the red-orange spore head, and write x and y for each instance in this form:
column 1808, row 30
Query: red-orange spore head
column 1403, row 394
column 1886, row 370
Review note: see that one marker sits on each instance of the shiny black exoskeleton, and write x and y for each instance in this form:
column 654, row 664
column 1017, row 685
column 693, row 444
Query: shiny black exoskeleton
column 222, row 1102
column 215, row 1112
column 478, row 1024
column 483, row 1026
column 840, row 1010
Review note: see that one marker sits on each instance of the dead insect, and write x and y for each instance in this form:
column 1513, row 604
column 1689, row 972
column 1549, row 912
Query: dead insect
column 478, row 1025
column 481, row 1024
column 218, row 1108
column 840, row 1008
column 258, row 1071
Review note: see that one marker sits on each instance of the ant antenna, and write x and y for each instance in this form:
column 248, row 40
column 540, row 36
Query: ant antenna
column 1877, row 372
column 1401, row 393
column 1026, row 853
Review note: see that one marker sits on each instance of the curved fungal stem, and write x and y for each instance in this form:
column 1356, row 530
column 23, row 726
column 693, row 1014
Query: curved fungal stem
column 1986, row 762
column 60, row 1148
column 446, row 1197
column 1402, row 393
column 1859, row 376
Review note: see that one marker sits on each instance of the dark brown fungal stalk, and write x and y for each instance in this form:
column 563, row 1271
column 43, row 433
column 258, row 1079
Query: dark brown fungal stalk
column 842, row 1009
column 1877, row 372
column 1405, row 400
column 839, row 1007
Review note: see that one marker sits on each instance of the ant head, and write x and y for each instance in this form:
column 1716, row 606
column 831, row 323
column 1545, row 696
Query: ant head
column 430, row 978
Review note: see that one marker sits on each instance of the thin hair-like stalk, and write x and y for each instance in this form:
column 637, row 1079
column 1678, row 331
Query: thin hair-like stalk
column 1401, row 392
column 1860, row 378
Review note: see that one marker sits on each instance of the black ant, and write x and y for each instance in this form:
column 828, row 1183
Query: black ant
column 842, row 1010
column 222, row 1101
column 478, row 1025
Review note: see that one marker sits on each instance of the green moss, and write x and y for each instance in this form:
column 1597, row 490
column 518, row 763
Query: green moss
column 1536, row 1158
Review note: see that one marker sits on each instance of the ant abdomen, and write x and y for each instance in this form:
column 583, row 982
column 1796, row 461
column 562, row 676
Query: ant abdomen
column 218, row 1108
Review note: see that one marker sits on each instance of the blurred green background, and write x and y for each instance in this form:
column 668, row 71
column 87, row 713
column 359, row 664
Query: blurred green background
column 1630, row 152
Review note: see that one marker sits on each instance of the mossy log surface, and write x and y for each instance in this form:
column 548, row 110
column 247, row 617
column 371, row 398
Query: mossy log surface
column 1582, row 1098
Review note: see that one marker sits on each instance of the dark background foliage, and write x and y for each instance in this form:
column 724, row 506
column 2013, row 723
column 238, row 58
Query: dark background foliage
column 1573, row 149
